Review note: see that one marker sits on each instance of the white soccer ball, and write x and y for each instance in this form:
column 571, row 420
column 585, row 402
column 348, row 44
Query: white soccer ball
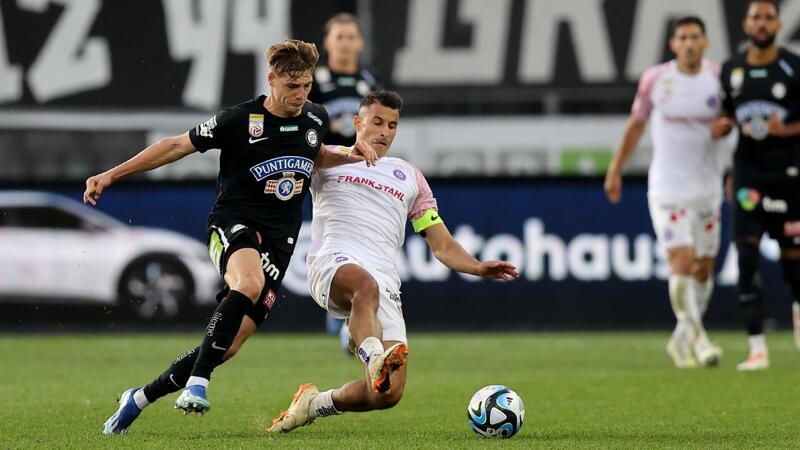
column 496, row 411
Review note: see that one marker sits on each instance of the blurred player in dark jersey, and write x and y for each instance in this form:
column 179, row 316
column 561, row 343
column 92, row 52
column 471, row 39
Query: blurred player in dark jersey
column 342, row 82
column 269, row 148
column 339, row 87
column 761, row 96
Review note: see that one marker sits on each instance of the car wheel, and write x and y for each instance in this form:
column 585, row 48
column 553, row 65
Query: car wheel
column 156, row 287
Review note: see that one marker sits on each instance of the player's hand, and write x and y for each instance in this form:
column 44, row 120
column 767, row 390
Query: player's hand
column 94, row 187
column 497, row 270
column 721, row 127
column 364, row 152
column 613, row 186
column 776, row 126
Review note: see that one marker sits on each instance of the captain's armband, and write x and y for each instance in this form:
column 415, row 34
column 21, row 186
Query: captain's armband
column 428, row 219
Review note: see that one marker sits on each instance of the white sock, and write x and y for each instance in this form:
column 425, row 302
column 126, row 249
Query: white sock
column 678, row 285
column 197, row 381
column 140, row 399
column 322, row 405
column 758, row 344
column 694, row 314
column 704, row 289
column 369, row 348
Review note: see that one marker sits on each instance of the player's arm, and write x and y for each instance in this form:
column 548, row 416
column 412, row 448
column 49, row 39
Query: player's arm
column 722, row 125
column 782, row 130
column 163, row 152
column 452, row 254
column 336, row 155
column 634, row 128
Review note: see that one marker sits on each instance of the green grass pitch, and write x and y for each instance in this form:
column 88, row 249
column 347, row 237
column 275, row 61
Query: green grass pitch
column 581, row 390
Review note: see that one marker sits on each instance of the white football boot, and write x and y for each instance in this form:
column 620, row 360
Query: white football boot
column 299, row 412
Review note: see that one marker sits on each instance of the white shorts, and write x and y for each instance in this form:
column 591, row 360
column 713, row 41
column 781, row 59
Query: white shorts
column 687, row 224
column 322, row 268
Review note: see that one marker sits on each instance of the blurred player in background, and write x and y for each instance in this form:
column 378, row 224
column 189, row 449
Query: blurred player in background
column 761, row 88
column 357, row 278
column 339, row 87
column 680, row 98
column 269, row 147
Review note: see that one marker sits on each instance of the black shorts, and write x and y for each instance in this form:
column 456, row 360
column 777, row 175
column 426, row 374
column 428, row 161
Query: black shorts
column 773, row 209
column 224, row 240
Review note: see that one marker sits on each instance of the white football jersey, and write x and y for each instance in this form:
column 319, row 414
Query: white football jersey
column 687, row 164
column 363, row 210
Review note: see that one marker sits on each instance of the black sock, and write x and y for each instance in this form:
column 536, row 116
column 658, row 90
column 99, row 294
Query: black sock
column 221, row 330
column 749, row 288
column 174, row 378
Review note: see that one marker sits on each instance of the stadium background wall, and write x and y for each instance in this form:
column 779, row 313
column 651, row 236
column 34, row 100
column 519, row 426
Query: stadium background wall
column 445, row 56
column 602, row 269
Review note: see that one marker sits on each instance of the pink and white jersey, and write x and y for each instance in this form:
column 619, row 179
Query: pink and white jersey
column 687, row 164
column 363, row 210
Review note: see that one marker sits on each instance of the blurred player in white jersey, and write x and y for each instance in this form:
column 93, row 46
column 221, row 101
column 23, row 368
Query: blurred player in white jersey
column 357, row 279
column 681, row 99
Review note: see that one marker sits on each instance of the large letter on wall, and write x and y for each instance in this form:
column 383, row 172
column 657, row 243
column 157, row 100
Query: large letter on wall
column 201, row 40
column 425, row 61
column 257, row 24
column 70, row 61
column 650, row 28
column 589, row 37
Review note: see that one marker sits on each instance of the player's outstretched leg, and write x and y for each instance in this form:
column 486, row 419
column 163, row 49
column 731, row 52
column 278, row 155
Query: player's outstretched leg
column 355, row 396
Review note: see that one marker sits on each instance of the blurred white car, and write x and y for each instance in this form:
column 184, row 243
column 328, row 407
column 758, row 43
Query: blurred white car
column 58, row 251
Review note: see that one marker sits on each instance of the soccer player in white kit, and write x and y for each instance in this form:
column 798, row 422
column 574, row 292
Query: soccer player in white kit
column 357, row 279
column 681, row 99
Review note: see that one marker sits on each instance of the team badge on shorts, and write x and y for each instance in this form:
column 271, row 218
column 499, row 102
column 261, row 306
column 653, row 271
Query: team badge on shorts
column 284, row 188
column 312, row 138
column 269, row 298
column 256, row 125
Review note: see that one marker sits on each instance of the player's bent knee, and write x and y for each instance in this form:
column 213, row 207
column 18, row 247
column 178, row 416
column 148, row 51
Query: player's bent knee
column 250, row 284
column 366, row 293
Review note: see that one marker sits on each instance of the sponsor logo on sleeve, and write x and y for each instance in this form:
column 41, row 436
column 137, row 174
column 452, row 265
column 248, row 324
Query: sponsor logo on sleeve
column 206, row 129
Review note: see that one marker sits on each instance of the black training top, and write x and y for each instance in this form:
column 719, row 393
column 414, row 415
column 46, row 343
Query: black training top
column 752, row 94
column 265, row 164
column 341, row 94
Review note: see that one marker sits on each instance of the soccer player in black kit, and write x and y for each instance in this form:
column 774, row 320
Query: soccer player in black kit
column 761, row 95
column 269, row 148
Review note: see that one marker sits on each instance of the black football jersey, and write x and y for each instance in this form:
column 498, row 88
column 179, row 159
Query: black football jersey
column 752, row 94
column 341, row 94
column 265, row 165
